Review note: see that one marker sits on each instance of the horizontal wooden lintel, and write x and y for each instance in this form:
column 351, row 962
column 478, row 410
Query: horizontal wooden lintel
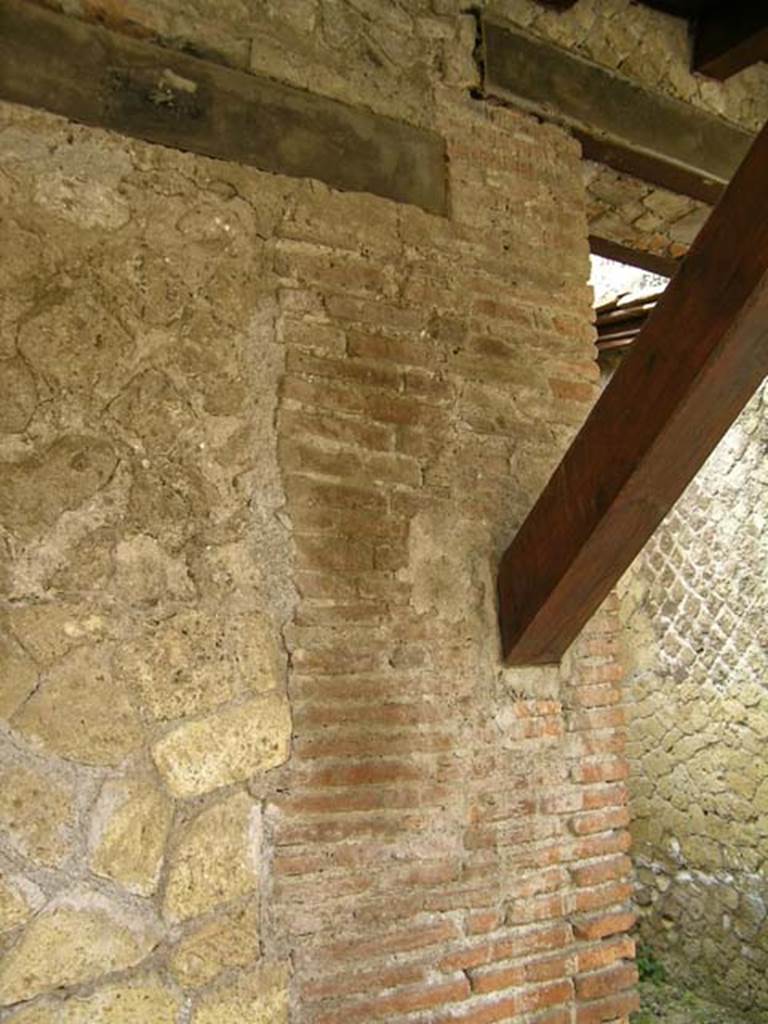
column 619, row 122
column 94, row 76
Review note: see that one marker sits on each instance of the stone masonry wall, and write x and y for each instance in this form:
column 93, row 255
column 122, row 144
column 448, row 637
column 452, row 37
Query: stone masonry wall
column 696, row 607
column 259, row 432
column 262, row 444
column 178, row 537
column 640, row 216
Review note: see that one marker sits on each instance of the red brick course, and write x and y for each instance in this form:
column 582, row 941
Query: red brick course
column 448, row 841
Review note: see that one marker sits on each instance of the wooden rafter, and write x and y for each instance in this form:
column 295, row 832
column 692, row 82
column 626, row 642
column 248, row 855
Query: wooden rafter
column 700, row 356
column 666, row 266
column 618, row 323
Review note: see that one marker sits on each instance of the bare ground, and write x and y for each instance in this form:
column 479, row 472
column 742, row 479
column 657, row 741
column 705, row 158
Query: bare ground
column 668, row 1004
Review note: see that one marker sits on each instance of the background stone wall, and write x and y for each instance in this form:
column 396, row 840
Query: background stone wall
column 696, row 607
column 646, row 45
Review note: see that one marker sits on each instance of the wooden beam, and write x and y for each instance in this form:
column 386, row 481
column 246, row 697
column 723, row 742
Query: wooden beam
column 619, row 122
column 663, row 265
column 702, row 353
column 98, row 77
column 729, row 38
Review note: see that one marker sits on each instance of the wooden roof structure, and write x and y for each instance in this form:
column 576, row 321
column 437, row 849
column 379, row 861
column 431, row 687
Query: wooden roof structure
column 620, row 321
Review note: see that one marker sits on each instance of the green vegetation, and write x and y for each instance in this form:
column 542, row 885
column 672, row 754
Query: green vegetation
column 649, row 967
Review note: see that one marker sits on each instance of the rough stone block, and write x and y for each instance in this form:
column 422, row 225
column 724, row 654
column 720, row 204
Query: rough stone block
column 215, row 859
column 128, row 832
column 19, row 898
column 47, row 631
column 38, row 490
column 228, row 746
column 18, row 395
column 145, row 574
column 18, row 675
column 200, row 659
column 260, row 997
column 37, row 814
column 227, row 942
column 146, row 1001
column 75, row 939
column 79, row 713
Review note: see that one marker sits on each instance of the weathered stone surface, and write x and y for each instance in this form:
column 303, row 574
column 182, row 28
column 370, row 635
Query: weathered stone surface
column 18, row 395
column 144, row 1001
column 79, row 347
column 228, row 746
column 201, row 658
column 36, row 491
column 79, row 713
column 76, row 938
column 145, row 574
column 639, row 215
column 168, row 501
column 259, row 996
column 18, row 675
column 48, row 630
column 226, row 942
column 19, row 898
column 128, row 831
column 153, row 410
column 215, row 858
column 37, row 814
column 87, row 203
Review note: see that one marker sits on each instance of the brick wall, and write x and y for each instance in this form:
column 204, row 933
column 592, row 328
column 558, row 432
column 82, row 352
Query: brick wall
column 448, row 835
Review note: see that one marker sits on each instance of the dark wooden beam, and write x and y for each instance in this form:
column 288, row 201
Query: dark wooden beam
column 619, row 122
column 98, row 77
column 729, row 38
column 663, row 265
column 702, row 353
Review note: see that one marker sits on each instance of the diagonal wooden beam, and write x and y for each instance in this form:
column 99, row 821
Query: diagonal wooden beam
column 99, row 77
column 618, row 122
column 700, row 356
